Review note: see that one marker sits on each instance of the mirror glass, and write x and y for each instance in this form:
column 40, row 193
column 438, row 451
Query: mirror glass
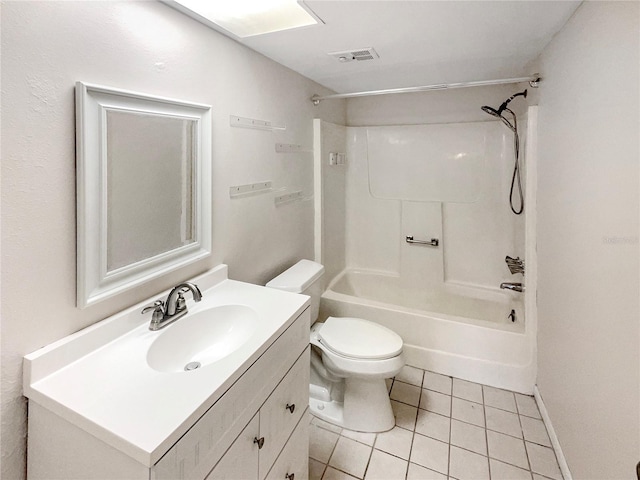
column 144, row 190
column 149, row 190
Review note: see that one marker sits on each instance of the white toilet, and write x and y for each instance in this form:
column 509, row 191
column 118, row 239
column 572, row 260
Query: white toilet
column 350, row 359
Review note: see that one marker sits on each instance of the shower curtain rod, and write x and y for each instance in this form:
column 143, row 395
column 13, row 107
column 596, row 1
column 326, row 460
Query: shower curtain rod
column 532, row 79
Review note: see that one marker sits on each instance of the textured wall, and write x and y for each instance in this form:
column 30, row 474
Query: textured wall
column 151, row 48
column 588, row 305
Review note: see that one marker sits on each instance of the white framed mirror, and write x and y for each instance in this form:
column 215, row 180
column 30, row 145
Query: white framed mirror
column 143, row 174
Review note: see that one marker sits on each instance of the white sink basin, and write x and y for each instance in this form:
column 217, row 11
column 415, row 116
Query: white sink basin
column 202, row 338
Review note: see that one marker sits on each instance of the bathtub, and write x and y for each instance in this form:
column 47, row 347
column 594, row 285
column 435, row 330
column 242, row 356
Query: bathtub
column 454, row 330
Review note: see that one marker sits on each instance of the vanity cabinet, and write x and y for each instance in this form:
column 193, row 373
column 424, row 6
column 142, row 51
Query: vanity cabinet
column 266, row 407
column 271, row 434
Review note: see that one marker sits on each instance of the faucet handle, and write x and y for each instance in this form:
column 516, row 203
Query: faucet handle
column 156, row 307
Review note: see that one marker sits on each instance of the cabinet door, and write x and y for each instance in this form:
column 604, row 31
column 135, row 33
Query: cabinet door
column 283, row 409
column 240, row 462
column 293, row 462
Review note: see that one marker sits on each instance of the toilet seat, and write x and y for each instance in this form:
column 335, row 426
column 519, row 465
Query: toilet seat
column 343, row 365
column 361, row 339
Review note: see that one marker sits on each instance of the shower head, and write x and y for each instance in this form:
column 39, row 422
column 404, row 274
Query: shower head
column 490, row 111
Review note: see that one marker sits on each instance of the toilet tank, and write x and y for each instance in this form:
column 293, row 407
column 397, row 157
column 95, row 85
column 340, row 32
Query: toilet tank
column 304, row 277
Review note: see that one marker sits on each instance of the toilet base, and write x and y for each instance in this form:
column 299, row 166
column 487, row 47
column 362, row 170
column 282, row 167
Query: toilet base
column 366, row 406
column 329, row 411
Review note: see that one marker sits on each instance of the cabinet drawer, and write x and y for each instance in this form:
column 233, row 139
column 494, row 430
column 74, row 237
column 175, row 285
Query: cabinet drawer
column 283, row 409
column 293, row 462
column 241, row 460
column 195, row 454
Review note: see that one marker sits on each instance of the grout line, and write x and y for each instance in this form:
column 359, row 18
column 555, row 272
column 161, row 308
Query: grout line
column 486, row 435
column 364, row 474
column 450, row 428
column 415, row 423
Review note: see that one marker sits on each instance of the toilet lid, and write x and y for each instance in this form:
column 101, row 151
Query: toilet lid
column 359, row 338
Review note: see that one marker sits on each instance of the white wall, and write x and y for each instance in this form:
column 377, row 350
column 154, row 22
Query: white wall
column 443, row 106
column 588, row 296
column 151, row 48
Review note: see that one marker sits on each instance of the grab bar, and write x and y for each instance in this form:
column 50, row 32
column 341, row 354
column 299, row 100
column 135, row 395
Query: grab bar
column 434, row 242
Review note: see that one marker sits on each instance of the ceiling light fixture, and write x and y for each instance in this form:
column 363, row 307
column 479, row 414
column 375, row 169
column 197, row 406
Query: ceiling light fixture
column 245, row 18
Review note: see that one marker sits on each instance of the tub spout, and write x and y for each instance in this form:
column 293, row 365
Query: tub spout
column 516, row 287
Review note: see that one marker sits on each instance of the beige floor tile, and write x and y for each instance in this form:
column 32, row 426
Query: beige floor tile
column 504, row 471
column 433, row 425
column 405, row 415
column 527, row 406
column 467, row 390
column 366, row 438
column 316, row 469
column 507, row 449
column 396, row 441
column 351, row 457
column 430, row 453
column 464, row 465
column 326, row 425
column 469, row 437
column 539, row 477
column 445, row 409
column 503, row 421
column 321, row 443
column 405, row 393
column 437, row 382
column 502, row 399
column 466, row 411
column 333, row 474
column 436, row 402
column 416, row 472
column 383, row 466
column 411, row 375
column 543, row 461
column 535, row 431
column 389, row 382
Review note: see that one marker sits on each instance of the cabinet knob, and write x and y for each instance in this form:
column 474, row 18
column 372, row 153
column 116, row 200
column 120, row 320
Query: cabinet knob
column 291, row 407
column 259, row 441
column 289, row 476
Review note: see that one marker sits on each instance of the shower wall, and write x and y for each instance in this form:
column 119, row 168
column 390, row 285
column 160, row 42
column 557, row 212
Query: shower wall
column 475, row 234
column 330, row 187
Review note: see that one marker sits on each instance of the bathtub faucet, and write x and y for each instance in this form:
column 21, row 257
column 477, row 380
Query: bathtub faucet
column 516, row 287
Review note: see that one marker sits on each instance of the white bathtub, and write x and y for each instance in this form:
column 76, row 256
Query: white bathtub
column 457, row 331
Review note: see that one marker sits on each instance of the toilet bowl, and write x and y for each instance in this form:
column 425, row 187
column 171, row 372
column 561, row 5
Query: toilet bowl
column 350, row 360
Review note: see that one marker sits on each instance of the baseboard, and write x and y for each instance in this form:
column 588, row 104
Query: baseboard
column 562, row 462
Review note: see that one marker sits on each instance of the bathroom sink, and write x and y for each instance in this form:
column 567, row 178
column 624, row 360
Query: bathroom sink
column 202, row 338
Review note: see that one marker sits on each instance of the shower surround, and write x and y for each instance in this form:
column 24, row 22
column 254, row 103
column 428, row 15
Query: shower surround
column 444, row 181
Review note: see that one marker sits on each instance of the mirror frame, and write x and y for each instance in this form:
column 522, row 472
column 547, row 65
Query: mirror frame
column 94, row 282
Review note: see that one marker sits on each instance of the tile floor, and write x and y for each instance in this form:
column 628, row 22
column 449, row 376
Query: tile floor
column 446, row 428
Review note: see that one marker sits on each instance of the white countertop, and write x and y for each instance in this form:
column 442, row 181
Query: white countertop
column 99, row 380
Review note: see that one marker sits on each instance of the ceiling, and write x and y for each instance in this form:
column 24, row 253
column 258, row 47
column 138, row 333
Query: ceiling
column 419, row 42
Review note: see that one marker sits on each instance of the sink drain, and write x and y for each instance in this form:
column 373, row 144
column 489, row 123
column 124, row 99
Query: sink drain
column 191, row 366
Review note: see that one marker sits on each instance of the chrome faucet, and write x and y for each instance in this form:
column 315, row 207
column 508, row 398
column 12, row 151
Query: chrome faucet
column 175, row 306
column 516, row 287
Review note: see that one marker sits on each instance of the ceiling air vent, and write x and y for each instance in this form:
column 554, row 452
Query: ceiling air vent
column 359, row 54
